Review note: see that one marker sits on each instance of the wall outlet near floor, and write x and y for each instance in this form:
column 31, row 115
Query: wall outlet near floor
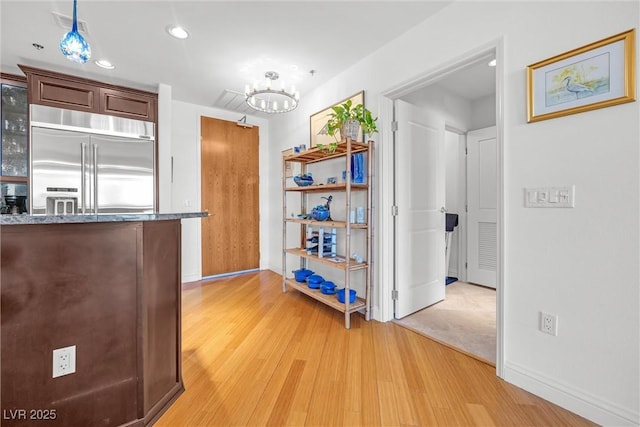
column 549, row 323
column 64, row 361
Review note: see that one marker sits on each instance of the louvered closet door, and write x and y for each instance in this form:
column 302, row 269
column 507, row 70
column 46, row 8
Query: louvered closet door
column 482, row 199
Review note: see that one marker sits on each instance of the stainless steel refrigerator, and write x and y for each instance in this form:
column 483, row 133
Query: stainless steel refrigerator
column 84, row 163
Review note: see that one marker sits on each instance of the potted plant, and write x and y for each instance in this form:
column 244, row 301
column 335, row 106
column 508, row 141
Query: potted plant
column 349, row 120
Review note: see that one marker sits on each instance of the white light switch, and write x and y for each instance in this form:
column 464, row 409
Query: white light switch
column 550, row 197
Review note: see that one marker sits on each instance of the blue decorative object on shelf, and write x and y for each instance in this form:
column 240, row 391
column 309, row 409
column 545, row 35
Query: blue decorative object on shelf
column 302, row 274
column 73, row 45
column 352, row 295
column 358, row 172
column 303, row 180
column 328, row 288
column 320, row 213
column 315, row 281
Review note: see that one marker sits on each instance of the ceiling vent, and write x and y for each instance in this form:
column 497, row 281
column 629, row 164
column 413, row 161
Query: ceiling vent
column 65, row 22
column 235, row 101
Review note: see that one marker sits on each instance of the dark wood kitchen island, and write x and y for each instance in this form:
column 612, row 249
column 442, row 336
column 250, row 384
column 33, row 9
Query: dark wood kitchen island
column 109, row 287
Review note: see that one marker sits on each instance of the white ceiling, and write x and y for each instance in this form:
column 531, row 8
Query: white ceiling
column 231, row 43
column 472, row 82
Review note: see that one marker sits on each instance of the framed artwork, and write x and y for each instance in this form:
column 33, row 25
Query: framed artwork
column 598, row 75
column 318, row 122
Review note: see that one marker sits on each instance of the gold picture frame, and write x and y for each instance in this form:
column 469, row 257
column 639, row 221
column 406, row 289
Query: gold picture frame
column 318, row 122
column 598, row 75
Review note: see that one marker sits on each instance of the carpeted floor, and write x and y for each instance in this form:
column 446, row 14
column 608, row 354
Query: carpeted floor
column 466, row 320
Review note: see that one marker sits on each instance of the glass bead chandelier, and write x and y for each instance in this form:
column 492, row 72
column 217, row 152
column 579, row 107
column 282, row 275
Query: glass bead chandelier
column 269, row 99
column 73, row 45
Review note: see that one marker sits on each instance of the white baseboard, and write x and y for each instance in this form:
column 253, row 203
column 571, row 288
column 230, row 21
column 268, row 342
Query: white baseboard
column 191, row 278
column 588, row 406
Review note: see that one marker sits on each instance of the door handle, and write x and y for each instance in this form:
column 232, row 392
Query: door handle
column 95, row 179
column 83, row 175
column 442, row 209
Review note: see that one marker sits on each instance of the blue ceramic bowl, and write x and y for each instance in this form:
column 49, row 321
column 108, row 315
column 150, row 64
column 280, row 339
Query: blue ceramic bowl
column 302, row 274
column 320, row 214
column 352, row 295
column 303, row 181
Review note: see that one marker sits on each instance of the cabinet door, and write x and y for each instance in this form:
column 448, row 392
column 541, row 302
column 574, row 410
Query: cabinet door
column 61, row 93
column 127, row 104
column 161, row 349
column 14, row 131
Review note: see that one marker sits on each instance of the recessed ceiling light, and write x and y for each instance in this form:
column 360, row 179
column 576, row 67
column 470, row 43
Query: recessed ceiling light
column 492, row 63
column 177, row 32
column 105, row 64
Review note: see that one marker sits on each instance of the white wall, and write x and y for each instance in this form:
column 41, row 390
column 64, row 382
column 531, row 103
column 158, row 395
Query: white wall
column 185, row 189
column 581, row 263
column 457, row 111
column 483, row 112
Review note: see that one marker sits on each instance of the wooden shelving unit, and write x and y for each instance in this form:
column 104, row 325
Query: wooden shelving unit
column 344, row 150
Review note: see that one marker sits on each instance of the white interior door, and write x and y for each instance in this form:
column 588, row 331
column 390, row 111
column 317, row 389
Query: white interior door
column 420, row 193
column 482, row 200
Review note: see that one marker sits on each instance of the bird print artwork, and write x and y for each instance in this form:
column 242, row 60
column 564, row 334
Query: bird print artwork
column 578, row 89
column 577, row 82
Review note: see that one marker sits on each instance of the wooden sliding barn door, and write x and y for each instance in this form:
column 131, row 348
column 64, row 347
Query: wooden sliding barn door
column 229, row 160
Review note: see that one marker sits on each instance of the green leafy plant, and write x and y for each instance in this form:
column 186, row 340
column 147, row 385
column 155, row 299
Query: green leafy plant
column 342, row 114
column 329, row 148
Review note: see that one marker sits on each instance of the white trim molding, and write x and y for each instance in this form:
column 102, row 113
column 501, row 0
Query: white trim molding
column 575, row 400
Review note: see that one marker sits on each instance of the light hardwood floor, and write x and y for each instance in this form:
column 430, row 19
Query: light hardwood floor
column 253, row 355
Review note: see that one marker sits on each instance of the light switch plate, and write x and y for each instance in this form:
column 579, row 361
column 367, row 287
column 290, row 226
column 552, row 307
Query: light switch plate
column 550, row 197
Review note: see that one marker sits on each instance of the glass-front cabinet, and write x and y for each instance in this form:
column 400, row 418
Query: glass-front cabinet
column 14, row 155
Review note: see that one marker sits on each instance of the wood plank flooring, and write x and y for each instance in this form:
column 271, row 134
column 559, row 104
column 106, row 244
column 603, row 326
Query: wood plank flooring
column 254, row 356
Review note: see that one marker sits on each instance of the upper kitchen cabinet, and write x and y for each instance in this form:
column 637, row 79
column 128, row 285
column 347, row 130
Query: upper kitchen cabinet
column 15, row 124
column 75, row 93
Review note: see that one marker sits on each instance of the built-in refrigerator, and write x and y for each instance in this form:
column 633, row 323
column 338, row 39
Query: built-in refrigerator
column 85, row 163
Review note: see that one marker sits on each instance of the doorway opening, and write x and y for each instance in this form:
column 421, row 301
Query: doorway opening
column 456, row 94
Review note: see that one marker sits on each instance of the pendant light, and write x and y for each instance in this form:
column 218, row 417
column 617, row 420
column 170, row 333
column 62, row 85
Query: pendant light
column 73, row 45
column 269, row 99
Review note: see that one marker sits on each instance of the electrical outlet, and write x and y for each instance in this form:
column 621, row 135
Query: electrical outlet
column 64, row 361
column 549, row 323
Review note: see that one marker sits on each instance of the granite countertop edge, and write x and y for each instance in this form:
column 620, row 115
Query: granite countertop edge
column 69, row 219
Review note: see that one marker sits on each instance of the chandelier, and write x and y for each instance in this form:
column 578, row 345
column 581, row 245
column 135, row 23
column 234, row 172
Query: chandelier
column 73, row 45
column 269, row 99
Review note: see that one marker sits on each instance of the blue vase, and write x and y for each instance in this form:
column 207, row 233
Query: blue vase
column 358, row 168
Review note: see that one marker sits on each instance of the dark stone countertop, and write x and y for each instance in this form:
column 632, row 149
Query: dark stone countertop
column 66, row 219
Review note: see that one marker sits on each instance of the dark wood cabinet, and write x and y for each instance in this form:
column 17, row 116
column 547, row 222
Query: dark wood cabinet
column 62, row 93
column 110, row 289
column 127, row 104
column 160, row 317
column 75, row 93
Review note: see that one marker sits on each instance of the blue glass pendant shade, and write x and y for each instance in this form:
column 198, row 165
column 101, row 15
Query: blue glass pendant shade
column 73, row 45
